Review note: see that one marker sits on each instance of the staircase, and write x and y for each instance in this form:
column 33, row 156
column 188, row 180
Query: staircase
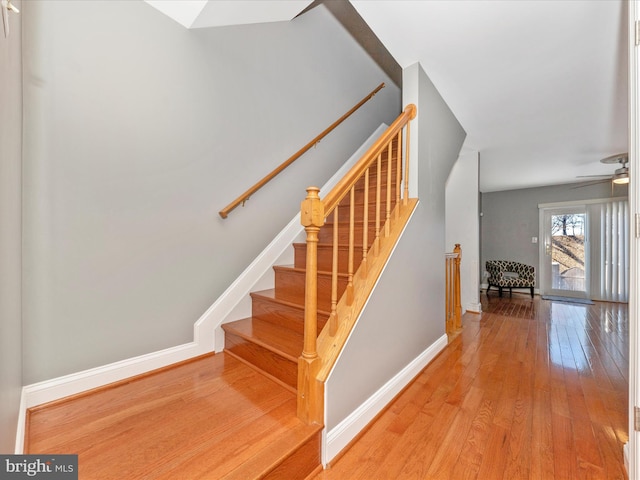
column 271, row 340
column 256, row 410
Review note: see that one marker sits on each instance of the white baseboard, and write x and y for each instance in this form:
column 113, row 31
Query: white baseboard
column 60, row 387
column 474, row 308
column 340, row 436
column 625, row 456
column 57, row 388
column 22, row 425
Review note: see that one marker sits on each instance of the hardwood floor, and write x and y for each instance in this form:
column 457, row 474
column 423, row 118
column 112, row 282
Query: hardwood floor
column 211, row 418
column 531, row 389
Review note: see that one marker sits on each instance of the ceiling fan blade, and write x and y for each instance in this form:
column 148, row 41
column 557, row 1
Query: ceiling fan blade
column 592, row 176
column 5, row 18
column 588, row 184
column 617, row 158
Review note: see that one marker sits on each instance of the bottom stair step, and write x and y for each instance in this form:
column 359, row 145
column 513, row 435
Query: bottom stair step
column 267, row 347
column 211, row 417
column 295, row 456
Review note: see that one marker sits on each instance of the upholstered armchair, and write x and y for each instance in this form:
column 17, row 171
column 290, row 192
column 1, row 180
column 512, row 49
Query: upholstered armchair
column 507, row 274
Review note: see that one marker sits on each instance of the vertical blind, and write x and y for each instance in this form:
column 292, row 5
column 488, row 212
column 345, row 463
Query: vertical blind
column 614, row 251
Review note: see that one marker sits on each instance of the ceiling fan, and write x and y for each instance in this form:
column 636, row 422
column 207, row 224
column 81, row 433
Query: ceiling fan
column 620, row 176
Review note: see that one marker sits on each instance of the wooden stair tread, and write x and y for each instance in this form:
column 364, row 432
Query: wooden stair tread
column 343, row 223
column 232, row 451
column 273, row 455
column 293, row 268
column 271, row 295
column 279, row 340
column 341, row 245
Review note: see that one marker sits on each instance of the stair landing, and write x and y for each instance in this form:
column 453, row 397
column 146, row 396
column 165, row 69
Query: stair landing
column 212, row 417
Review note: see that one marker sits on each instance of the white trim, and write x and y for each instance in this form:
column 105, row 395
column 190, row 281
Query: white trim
column 206, row 329
column 632, row 457
column 60, row 387
column 21, row 430
column 207, row 333
column 545, row 214
column 474, row 307
column 340, row 436
column 625, row 456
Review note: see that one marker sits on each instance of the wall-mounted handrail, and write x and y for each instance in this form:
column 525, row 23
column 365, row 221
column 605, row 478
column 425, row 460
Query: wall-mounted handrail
column 245, row 196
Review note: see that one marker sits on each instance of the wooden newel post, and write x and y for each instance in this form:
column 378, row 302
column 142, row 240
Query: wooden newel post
column 456, row 294
column 309, row 406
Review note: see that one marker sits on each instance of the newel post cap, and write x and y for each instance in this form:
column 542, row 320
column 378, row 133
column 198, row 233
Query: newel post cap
column 412, row 110
column 312, row 209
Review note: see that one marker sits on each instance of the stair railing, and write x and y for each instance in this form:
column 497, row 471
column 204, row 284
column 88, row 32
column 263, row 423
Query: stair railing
column 242, row 199
column 315, row 212
column 452, row 296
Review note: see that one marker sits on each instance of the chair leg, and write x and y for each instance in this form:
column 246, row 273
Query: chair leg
column 499, row 291
column 510, row 292
column 488, row 288
column 531, row 292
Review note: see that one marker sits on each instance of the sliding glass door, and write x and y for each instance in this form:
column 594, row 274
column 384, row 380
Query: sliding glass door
column 564, row 265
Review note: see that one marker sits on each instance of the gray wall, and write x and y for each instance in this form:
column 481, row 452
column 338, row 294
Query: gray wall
column 10, row 232
column 137, row 132
column 463, row 224
column 405, row 314
column 510, row 219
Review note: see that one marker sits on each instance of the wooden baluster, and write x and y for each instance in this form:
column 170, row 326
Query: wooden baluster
column 387, row 221
column 310, row 405
column 452, row 290
column 365, row 225
column 447, row 297
column 376, row 242
column 406, row 167
column 456, row 293
column 398, row 172
column 333, row 318
column 352, row 243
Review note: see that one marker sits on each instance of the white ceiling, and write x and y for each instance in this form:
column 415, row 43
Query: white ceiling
column 539, row 86
column 217, row 13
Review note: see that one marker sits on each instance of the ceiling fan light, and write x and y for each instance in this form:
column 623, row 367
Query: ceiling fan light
column 621, row 179
column 621, row 176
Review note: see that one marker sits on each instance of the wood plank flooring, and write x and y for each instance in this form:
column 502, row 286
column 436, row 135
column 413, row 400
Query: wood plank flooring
column 210, row 418
column 531, row 389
